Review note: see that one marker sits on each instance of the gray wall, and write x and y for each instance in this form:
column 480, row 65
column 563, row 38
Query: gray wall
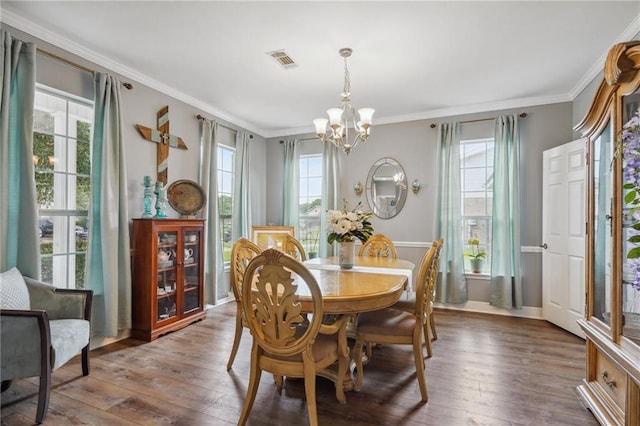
column 413, row 144
column 140, row 106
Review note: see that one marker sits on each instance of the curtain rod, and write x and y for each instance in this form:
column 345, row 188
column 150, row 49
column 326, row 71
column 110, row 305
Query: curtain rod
column 304, row 139
column 82, row 67
column 522, row 115
column 200, row 117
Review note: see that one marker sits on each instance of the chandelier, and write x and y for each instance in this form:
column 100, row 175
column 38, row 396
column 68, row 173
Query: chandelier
column 341, row 118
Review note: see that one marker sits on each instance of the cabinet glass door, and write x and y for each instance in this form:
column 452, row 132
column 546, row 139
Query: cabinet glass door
column 601, row 152
column 192, row 266
column 630, row 226
column 167, row 276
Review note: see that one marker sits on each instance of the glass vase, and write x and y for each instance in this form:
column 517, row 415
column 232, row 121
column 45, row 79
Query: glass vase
column 346, row 254
column 148, row 197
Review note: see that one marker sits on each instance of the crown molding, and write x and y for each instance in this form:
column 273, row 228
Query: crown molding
column 74, row 48
column 628, row 34
column 442, row 112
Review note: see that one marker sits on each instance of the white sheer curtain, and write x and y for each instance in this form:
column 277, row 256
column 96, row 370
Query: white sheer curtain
column 241, row 214
column 506, row 283
column 452, row 288
column 331, row 171
column 215, row 280
column 291, row 182
column 19, row 242
column 108, row 254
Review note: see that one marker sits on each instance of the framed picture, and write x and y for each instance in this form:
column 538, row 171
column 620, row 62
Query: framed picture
column 271, row 236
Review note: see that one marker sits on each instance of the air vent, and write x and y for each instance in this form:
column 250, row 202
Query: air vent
column 281, row 57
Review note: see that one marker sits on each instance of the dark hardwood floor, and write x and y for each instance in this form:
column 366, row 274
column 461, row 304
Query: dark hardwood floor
column 486, row 370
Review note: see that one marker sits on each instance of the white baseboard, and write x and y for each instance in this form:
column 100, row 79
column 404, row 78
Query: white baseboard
column 486, row 308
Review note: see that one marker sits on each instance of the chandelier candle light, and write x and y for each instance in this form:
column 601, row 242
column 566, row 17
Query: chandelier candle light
column 340, row 118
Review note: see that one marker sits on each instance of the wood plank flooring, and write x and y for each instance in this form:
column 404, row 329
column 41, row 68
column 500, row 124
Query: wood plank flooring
column 486, row 370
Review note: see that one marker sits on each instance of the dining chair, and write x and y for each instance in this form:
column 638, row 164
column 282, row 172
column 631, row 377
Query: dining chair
column 241, row 254
column 409, row 304
column 285, row 343
column 294, row 248
column 378, row 245
column 394, row 326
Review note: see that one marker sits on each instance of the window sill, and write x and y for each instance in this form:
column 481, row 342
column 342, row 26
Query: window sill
column 481, row 276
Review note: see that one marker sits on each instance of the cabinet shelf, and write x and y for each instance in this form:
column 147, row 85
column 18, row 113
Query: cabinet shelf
column 156, row 311
column 611, row 388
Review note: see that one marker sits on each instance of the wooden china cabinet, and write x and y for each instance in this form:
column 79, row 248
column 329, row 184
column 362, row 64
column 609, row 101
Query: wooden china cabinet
column 168, row 266
column 611, row 388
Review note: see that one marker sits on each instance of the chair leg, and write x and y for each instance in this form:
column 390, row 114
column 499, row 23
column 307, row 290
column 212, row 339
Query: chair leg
column 252, row 390
column 343, row 365
column 43, row 395
column 236, row 342
column 427, row 338
column 279, row 381
column 85, row 361
column 5, row 385
column 310, row 391
column 433, row 326
column 357, row 355
column 419, row 360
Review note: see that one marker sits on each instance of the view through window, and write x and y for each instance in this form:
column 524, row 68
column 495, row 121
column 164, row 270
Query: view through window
column 476, row 174
column 310, row 203
column 226, row 161
column 62, row 159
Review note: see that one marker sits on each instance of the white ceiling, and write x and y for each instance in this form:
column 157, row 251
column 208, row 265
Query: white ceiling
column 411, row 60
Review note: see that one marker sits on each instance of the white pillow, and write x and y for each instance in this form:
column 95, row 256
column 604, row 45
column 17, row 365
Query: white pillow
column 13, row 290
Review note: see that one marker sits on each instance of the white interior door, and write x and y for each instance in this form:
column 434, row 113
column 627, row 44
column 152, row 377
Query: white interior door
column 563, row 229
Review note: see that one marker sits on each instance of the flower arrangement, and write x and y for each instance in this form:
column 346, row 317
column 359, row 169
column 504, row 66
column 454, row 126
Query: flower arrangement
column 629, row 149
column 475, row 251
column 345, row 225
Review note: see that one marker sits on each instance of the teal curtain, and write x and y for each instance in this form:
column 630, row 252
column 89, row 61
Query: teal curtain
column 291, row 183
column 452, row 286
column 331, row 170
column 506, row 284
column 19, row 239
column 241, row 214
column 108, row 262
column 216, row 284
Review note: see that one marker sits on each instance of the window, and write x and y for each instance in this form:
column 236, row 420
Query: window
column 62, row 159
column 310, row 198
column 226, row 161
column 476, row 177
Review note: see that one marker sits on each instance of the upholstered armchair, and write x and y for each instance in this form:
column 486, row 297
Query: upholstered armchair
column 42, row 328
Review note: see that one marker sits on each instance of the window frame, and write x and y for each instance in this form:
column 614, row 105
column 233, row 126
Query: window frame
column 308, row 236
column 475, row 220
column 66, row 246
column 220, row 172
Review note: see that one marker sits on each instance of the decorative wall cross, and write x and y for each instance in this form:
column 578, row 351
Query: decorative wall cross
column 164, row 140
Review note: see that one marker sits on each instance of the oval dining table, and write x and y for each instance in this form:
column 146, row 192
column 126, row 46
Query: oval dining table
column 373, row 283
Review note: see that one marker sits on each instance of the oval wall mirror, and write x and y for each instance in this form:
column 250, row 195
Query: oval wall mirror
column 386, row 188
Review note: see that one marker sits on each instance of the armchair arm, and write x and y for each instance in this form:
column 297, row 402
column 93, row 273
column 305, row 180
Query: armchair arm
column 59, row 303
column 26, row 343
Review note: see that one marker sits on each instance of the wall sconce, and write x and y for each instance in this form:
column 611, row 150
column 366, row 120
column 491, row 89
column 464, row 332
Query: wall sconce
column 357, row 188
column 415, row 186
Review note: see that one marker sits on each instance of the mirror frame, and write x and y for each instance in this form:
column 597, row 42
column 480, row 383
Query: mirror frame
column 401, row 194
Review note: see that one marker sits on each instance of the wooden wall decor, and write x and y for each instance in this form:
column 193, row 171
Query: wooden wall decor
column 164, row 139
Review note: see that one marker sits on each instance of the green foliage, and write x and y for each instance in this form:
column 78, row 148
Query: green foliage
column 475, row 251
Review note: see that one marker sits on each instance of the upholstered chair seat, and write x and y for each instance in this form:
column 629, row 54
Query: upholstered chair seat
column 42, row 328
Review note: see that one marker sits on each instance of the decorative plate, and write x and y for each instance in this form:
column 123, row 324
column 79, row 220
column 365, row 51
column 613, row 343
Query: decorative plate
column 186, row 197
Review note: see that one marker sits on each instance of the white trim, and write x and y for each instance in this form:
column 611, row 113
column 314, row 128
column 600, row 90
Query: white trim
column 596, row 68
column 530, row 249
column 486, row 308
column 74, row 48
